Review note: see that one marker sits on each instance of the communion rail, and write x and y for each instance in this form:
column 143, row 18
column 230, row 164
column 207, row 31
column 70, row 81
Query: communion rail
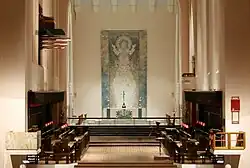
column 143, row 121
column 124, row 127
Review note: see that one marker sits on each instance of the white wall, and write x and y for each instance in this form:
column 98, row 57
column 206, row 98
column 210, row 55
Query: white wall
column 18, row 73
column 237, row 69
column 160, row 27
column 13, row 70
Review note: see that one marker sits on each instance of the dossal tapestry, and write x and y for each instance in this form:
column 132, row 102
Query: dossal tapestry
column 124, row 69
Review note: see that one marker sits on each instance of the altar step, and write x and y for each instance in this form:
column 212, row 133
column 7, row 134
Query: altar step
column 95, row 144
column 121, row 131
column 144, row 164
column 123, row 141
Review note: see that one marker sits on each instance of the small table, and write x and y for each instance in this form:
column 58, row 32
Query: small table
column 160, row 139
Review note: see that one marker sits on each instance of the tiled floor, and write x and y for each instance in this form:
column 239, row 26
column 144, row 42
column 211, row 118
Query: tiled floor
column 121, row 153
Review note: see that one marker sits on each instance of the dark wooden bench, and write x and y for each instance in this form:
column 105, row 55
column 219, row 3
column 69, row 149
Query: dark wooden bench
column 82, row 143
column 61, row 149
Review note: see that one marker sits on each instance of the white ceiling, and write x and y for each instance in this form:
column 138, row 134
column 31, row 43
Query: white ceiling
column 152, row 4
column 124, row 2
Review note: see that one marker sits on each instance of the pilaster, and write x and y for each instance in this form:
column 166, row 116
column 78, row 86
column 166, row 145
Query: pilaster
column 47, row 54
column 184, row 12
column 202, row 46
column 216, row 42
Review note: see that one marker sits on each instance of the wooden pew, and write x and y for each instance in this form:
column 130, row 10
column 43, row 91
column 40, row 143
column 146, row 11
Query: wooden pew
column 78, row 135
column 202, row 137
column 46, row 138
column 182, row 148
column 183, row 133
column 65, row 141
column 54, row 145
column 62, row 148
column 82, row 144
column 176, row 143
column 173, row 132
column 172, row 147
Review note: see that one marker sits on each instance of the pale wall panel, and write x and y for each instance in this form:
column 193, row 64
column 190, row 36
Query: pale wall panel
column 160, row 27
column 237, row 69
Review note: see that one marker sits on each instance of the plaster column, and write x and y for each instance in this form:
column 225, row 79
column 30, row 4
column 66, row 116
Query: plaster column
column 216, row 36
column 184, row 12
column 56, row 55
column 69, row 60
column 192, row 37
column 202, row 46
column 63, row 54
column 178, row 60
column 47, row 55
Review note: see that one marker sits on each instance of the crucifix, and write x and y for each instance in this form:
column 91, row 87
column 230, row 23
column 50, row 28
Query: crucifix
column 123, row 99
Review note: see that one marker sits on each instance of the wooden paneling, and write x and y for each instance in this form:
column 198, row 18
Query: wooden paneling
column 204, row 97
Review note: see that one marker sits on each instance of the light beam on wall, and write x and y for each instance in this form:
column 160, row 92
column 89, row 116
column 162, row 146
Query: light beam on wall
column 152, row 5
column 191, row 40
column 77, row 5
column 133, row 5
column 96, row 5
column 171, row 5
column 114, row 5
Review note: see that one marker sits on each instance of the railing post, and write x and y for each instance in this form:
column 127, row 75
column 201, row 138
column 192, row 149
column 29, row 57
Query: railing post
column 229, row 140
column 213, row 143
column 174, row 120
column 244, row 140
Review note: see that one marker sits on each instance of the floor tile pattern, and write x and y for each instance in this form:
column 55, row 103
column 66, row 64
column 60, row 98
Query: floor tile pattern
column 121, row 153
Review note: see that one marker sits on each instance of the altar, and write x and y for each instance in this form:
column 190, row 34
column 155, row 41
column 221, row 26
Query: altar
column 124, row 113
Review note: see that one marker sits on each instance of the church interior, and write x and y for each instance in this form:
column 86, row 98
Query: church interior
column 125, row 83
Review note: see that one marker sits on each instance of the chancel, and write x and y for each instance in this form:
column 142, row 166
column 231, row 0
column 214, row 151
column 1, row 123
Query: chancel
column 125, row 83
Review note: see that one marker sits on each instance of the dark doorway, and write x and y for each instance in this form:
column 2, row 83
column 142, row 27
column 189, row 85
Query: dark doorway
column 44, row 107
column 205, row 106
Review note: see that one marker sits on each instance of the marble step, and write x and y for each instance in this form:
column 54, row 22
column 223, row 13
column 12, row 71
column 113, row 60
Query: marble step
column 124, row 144
column 166, row 164
column 131, row 166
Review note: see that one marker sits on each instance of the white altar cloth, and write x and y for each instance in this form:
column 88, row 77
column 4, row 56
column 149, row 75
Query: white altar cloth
column 134, row 112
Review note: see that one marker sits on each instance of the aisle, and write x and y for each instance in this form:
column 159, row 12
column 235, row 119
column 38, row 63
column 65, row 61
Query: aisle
column 121, row 153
